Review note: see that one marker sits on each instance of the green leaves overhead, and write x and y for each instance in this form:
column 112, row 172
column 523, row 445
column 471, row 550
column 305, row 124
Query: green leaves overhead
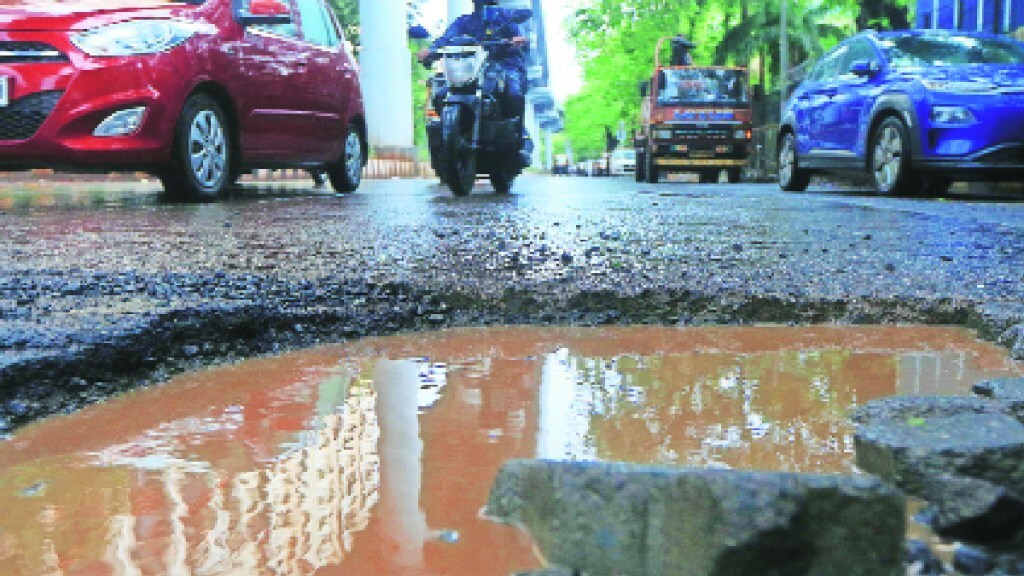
column 615, row 42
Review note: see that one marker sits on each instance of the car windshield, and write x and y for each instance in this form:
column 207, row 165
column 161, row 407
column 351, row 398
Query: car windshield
column 919, row 51
column 702, row 86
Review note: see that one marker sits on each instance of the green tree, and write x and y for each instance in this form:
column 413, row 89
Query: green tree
column 615, row 42
column 348, row 15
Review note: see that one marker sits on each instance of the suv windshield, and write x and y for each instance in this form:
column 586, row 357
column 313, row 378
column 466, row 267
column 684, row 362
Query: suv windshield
column 918, row 51
column 702, row 86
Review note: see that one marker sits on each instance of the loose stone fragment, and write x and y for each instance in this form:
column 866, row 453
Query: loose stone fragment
column 912, row 452
column 627, row 520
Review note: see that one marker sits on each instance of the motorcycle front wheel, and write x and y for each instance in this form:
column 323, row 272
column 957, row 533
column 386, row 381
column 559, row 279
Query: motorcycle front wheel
column 459, row 165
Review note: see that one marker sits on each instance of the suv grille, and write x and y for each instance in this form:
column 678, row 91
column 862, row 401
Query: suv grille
column 22, row 119
column 29, row 52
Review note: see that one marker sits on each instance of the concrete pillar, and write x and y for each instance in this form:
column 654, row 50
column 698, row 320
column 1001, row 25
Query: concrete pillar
column 401, row 465
column 457, row 8
column 386, row 74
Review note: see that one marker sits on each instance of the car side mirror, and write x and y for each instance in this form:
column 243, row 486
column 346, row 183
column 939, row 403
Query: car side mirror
column 864, row 68
column 263, row 12
column 419, row 33
column 757, row 92
column 645, row 89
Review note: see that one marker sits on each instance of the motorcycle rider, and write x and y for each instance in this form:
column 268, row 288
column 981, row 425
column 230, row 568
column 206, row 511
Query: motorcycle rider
column 497, row 25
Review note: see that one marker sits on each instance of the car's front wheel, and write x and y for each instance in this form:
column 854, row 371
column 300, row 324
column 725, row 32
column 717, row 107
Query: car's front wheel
column 200, row 167
column 791, row 177
column 890, row 160
column 347, row 173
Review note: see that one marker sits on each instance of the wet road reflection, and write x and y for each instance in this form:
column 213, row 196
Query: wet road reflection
column 376, row 457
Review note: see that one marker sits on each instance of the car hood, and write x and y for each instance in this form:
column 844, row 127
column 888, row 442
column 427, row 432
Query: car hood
column 83, row 14
column 1001, row 75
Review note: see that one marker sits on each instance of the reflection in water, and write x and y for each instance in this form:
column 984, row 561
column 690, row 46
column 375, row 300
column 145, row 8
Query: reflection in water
column 376, row 457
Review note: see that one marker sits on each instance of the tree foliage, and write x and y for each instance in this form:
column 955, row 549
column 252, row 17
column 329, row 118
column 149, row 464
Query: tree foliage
column 348, row 15
column 615, row 43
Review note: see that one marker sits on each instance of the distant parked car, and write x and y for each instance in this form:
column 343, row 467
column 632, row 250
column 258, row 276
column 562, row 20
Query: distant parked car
column 196, row 92
column 561, row 165
column 623, row 162
column 915, row 110
column 600, row 166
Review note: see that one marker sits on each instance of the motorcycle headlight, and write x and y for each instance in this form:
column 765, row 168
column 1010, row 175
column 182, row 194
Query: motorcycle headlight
column 460, row 70
column 135, row 37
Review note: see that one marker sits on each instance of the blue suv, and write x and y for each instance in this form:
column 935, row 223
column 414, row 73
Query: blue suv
column 915, row 110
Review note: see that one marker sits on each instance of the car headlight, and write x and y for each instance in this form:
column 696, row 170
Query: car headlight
column 952, row 115
column 135, row 37
column 958, row 87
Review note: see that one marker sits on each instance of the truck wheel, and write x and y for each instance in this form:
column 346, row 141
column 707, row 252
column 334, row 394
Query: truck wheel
column 652, row 170
column 791, row 177
column 641, row 168
column 735, row 175
column 708, row 176
column 459, row 157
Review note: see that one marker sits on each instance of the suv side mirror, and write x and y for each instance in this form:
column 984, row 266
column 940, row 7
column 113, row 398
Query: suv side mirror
column 418, row 32
column 864, row 68
column 262, row 12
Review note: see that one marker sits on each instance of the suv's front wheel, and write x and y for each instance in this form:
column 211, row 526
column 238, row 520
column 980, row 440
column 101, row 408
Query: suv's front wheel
column 890, row 165
column 200, row 167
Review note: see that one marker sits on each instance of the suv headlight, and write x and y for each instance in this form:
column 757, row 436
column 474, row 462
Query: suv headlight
column 135, row 37
column 952, row 115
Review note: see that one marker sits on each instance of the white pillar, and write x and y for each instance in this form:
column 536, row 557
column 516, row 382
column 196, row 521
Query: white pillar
column 386, row 73
column 401, row 464
column 457, row 8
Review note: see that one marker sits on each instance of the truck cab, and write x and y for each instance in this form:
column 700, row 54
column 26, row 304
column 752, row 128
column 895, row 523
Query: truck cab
column 694, row 119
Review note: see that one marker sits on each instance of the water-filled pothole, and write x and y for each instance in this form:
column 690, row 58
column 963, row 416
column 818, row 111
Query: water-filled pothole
column 376, row 457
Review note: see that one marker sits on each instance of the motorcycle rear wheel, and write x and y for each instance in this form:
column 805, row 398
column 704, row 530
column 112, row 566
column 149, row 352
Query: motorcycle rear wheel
column 502, row 183
column 459, row 166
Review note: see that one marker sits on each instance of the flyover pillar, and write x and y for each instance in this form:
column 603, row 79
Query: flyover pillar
column 386, row 76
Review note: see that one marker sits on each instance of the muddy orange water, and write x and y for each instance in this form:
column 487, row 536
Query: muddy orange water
column 376, row 457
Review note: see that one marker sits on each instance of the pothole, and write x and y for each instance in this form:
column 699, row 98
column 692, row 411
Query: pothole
column 376, row 457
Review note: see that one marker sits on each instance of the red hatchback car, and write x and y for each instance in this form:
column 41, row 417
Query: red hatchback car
column 195, row 91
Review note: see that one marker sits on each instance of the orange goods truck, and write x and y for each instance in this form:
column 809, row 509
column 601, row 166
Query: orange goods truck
column 693, row 119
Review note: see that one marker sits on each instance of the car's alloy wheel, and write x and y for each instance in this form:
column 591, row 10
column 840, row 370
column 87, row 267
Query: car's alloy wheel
column 890, row 160
column 201, row 165
column 791, row 177
column 347, row 174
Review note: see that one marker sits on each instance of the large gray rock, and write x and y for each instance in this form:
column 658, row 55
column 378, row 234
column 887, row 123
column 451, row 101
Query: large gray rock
column 911, row 452
column 905, row 408
column 629, row 520
column 973, row 510
column 1008, row 391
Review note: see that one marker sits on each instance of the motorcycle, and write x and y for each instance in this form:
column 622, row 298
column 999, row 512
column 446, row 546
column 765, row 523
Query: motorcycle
column 474, row 133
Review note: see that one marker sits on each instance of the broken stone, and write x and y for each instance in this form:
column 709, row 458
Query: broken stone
column 910, row 452
column 1009, row 391
column 604, row 519
column 973, row 510
column 906, row 408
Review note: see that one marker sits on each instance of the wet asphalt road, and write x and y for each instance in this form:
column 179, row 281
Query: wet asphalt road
column 106, row 287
